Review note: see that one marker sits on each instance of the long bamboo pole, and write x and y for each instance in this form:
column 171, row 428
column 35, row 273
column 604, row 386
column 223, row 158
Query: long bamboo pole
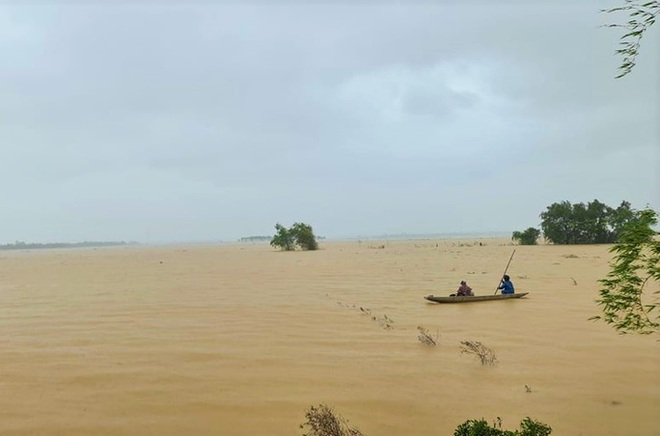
column 505, row 270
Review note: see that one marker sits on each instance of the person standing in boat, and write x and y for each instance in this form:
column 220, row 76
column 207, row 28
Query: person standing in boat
column 506, row 287
column 464, row 290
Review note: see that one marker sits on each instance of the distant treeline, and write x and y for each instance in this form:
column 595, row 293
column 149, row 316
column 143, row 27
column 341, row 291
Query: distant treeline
column 20, row 245
column 255, row 239
column 263, row 238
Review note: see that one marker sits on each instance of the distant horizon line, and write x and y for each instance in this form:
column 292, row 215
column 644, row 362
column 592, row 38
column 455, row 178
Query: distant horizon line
column 397, row 236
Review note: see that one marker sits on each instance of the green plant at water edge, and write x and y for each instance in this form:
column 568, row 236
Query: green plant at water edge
column 526, row 237
column 323, row 421
column 636, row 263
column 528, row 427
column 300, row 235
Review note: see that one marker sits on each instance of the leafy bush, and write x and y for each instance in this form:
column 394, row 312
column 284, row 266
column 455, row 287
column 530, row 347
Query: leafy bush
column 299, row 235
column 304, row 236
column 283, row 239
column 526, row 237
column 528, row 427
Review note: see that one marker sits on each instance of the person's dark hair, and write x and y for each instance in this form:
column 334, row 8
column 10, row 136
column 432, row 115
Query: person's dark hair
column 506, row 277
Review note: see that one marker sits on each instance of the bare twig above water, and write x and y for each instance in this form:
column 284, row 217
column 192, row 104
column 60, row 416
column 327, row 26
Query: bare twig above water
column 485, row 354
column 427, row 338
column 323, row 421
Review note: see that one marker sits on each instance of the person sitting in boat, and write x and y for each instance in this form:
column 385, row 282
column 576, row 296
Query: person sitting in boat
column 506, row 287
column 464, row 290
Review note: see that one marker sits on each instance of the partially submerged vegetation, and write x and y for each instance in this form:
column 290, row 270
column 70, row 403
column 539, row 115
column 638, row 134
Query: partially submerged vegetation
column 322, row 420
column 300, row 235
column 528, row 427
column 426, row 338
column 580, row 223
column 486, row 355
column 527, row 237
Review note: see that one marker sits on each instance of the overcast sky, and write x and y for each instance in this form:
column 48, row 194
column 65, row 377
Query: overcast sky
column 157, row 123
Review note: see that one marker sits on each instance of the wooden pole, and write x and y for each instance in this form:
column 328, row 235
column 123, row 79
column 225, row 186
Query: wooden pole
column 505, row 270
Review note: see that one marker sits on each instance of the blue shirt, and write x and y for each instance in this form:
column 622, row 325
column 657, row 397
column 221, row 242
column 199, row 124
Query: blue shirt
column 507, row 287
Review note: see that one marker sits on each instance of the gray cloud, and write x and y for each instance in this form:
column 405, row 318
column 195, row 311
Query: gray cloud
column 215, row 121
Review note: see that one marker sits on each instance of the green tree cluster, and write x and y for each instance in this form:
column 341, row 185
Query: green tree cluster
column 300, row 235
column 526, row 237
column 591, row 223
column 636, row 263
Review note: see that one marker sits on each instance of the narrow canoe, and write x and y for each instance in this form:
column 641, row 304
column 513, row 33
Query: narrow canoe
column 437, row 299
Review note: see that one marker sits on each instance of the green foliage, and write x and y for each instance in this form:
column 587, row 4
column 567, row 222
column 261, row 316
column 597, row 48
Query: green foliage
column 283, row 238
column 304, row 236
column 591, row 223
column 473, row 427
column 526, row 237
column 299, row 235
column 528, row 427
column 636, row 262
column 642, row 15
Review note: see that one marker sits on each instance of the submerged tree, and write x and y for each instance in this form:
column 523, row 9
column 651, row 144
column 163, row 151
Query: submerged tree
column 635, row 266
column 591, row 223
column 299, row 235
column 304, row 236
column 526, row 237
column 283, row 238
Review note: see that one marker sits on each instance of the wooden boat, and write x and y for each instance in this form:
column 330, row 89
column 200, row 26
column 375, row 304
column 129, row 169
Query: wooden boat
column 475, row 298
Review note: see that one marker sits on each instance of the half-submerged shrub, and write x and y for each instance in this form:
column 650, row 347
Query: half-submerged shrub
column 526, row 237
column 485, row 354
column 323, row 421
